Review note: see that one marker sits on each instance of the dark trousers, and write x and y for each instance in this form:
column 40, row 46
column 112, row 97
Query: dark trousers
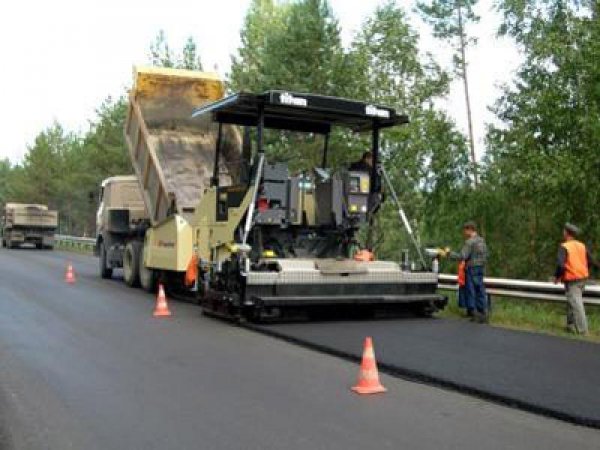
column 464, row 299
column 476, row 288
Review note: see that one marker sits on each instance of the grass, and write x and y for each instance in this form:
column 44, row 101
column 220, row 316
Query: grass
column 531, row 315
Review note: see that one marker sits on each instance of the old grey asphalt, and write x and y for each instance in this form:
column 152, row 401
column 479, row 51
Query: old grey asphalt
column 86, row 366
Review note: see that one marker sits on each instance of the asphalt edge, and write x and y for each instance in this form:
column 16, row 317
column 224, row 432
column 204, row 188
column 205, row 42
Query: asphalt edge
column 423, row 378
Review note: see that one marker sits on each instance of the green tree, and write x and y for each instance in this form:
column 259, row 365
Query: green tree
column 189, row 56
column 42, row 165
column 293, row 46
column 427, row 159
column 301, row 50
column 449, row 19
column 104, row 143
column 45, row 176
column 248, row 66
column 103, row 154
column 161, row 54
column 5, row 171
column 63, row 169
column 543, row 160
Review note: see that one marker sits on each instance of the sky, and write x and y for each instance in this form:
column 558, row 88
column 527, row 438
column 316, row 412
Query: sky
column 62, row 58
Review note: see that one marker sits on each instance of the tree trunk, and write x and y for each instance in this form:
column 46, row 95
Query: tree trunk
column 463, row 64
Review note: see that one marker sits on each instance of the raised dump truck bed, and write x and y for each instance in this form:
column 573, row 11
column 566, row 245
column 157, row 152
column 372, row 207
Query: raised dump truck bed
column 173, row 155
column 173, row 160
column 28, row 223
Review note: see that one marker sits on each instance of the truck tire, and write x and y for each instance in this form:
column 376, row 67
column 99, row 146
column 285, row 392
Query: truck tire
column 131, row 263
column 147, row 275
column 105, row 271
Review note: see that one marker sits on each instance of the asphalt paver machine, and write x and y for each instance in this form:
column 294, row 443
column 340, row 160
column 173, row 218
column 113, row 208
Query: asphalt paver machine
column 271, row 244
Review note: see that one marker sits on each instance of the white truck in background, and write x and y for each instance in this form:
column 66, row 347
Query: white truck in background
column 27, row 223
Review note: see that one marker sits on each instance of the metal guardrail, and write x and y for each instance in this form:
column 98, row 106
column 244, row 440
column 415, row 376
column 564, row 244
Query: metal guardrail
column 529, row 290
column 75, row 242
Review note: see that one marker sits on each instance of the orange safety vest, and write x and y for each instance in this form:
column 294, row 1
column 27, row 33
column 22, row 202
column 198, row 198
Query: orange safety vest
column 576, row 265
column 191, row 273
column 461, row 273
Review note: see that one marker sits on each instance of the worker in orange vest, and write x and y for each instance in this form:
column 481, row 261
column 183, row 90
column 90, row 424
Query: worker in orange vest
column 573, row 269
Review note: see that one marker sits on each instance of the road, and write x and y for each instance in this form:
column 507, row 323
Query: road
column 548, row 375
column 86, row 366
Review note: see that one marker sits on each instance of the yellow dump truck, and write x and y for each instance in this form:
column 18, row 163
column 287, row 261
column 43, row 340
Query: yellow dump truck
column 241, row 233
column 24, row 223
column 173, row 157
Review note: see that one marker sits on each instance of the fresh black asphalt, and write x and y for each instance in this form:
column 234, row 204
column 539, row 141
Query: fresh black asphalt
column 540, row 373
column 87, row 367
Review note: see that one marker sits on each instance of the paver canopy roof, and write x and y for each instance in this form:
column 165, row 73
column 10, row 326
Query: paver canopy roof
column 300, row 112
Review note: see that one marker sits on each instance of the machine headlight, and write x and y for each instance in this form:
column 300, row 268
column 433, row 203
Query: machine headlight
column 364, row 185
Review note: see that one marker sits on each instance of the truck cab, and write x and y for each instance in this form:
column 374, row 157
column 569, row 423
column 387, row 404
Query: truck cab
column 121, row 217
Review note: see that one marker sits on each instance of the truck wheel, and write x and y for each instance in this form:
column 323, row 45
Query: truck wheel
column 147, row 275
column 105, row 271
column 131, row 264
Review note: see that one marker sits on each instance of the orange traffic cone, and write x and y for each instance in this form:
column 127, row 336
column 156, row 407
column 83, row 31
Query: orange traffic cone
column 368, row 376
column 162, row 308
column 70, row 274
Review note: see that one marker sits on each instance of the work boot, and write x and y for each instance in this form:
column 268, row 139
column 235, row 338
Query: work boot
column 481, row 318
column 470, row 313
